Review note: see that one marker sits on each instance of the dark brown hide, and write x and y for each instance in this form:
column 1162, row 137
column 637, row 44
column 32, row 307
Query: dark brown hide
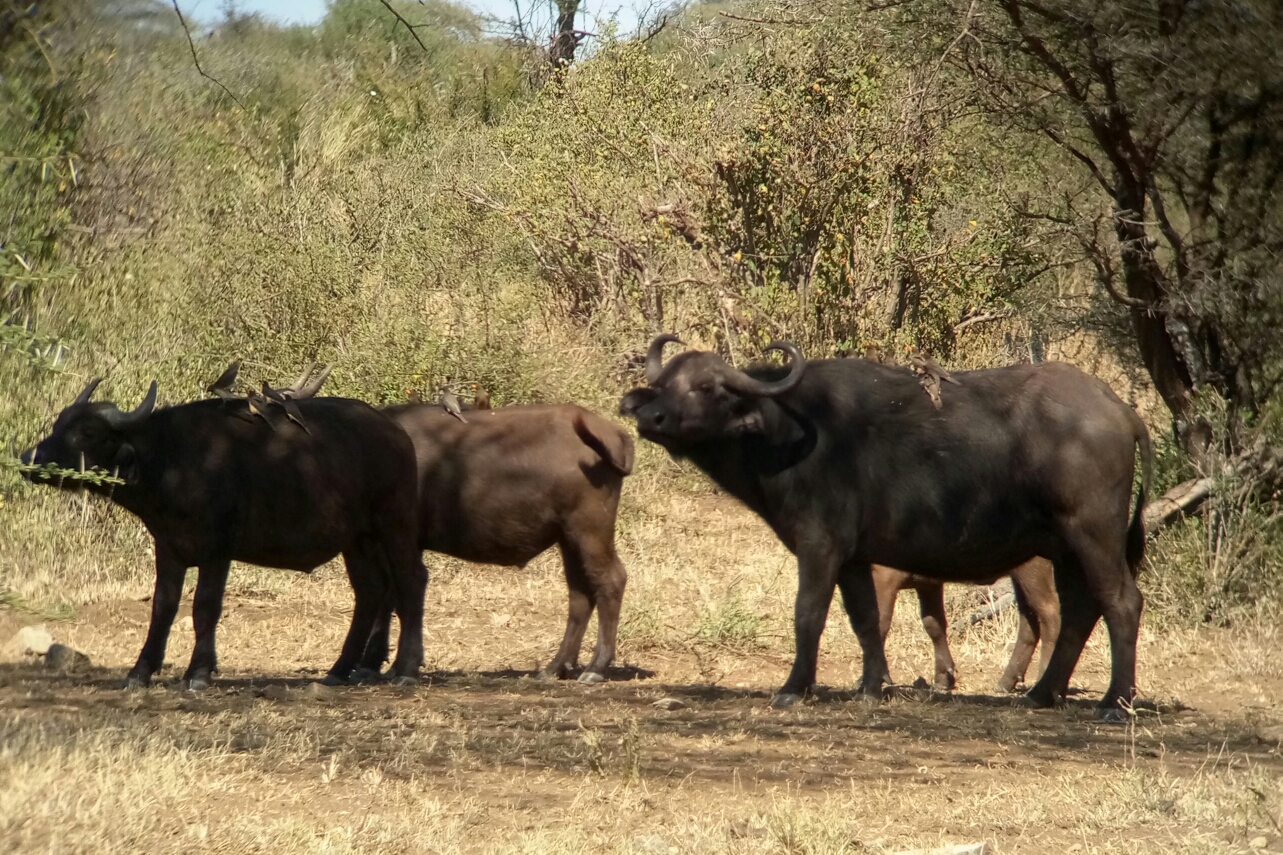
column 1034, row 583
column 514, row 481
column 213, row 486
column 851, row 465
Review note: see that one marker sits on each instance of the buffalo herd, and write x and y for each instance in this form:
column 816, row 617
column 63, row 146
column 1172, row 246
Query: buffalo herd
column 875, row 486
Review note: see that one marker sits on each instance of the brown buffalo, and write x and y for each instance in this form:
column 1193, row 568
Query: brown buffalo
column 1034, row 583
column 513, row 481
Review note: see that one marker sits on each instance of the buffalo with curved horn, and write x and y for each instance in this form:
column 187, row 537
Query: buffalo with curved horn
column 213, row 487
column 852, row 465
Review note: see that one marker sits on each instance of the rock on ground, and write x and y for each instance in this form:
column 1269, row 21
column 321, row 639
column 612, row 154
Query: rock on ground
column 30, row 641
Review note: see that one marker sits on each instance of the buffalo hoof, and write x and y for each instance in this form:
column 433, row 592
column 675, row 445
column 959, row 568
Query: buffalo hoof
column 1112, row 715
column 333, row 680
column 134, row 682
column 549, row 675
column 784, row 700
column 1006, row 688
column 592, row 677
column 198, row 683
column 362, row 676
column 405, row 680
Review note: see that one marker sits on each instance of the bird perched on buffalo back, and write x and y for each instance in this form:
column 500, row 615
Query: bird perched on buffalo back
column 480, row 397
column 222, row 387
column 450, row 403
column 412, row 395
column 929, row 375
column 292, row 412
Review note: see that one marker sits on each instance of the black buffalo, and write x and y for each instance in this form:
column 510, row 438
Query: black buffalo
column 215, row 484
column 851, row 464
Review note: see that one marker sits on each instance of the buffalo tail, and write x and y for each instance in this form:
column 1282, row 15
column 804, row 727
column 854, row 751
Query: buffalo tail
column 1136, row 531
column 611, row 444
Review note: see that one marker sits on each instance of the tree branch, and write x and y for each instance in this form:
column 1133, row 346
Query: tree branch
column 196, row 60
column 397, row 15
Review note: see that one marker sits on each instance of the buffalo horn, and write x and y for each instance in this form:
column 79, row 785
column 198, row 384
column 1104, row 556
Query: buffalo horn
column 121, row 421
column 314, row 386
column 741, row 382
column 83, row 397
column 655, row 356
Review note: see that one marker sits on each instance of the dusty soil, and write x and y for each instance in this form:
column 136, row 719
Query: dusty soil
column 484, row 757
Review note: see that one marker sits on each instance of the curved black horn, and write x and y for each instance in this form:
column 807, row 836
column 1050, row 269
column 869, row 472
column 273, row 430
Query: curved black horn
column 120, row 420
column 655, row 355
column 741, row 382
column 83, row 397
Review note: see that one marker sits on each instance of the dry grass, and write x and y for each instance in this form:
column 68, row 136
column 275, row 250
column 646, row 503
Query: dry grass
column 484, row 758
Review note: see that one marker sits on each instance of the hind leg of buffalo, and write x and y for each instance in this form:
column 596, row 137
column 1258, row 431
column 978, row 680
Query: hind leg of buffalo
column 409, row 586
column 164, row 606
column 1026, row 640
column 1079, row 614
column 368, row 576
column 608, row 578
column 582, row 600
column 931, row 606
column 207, row 608
column 1113, row 587
column 377, row 649
column 859, row 597
column 887, row 582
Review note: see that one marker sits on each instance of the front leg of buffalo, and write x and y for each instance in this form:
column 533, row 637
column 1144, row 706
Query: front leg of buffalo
column 207, row 608
column 817, row 579
column 164, row 607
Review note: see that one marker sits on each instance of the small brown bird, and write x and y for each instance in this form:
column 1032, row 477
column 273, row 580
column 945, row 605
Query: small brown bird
column 292, row 412
column 222, row 387
column 480, row 397
column 929, row 375
column 412, row 395
column 873, row 353
column 450, row 403
column 258, row 407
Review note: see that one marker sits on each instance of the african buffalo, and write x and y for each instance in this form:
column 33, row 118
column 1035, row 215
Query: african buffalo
column 1035, row 589
column 511, row 482
column 215, row 484
column 852, row 464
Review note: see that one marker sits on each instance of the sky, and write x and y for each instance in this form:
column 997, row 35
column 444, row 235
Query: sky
column 311, row 11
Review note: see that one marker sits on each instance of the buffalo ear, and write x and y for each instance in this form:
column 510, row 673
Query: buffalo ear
column 125, row 463
column 636, row 399
column 747, row 419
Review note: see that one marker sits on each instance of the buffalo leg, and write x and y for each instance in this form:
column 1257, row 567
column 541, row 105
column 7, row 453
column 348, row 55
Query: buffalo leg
column 859, row 597
column 409, row 586
column 377, row 649
column 817, row 579
column 164, row 607
column 582, row 601
column 888, row 583
column 608, row 578
column 1079, row 614
column 1026, row 640
column 931, row 607
column 207, row 608
column 366, row 573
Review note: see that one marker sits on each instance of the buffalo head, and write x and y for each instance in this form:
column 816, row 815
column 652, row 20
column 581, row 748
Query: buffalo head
column 699, row 398
column 91, row 434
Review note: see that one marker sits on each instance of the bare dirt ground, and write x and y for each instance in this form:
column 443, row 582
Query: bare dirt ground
column 484, row 758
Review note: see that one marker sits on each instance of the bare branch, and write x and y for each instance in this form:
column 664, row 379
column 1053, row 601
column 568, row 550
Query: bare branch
column 397, row 15
column 196, row 61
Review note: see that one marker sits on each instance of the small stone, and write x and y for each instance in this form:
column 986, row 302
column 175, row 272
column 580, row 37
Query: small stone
column 60, row 657
column 1258, row 842
column 30, row 641
column 316, row 690
column 276, row 693
column 669, row 704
